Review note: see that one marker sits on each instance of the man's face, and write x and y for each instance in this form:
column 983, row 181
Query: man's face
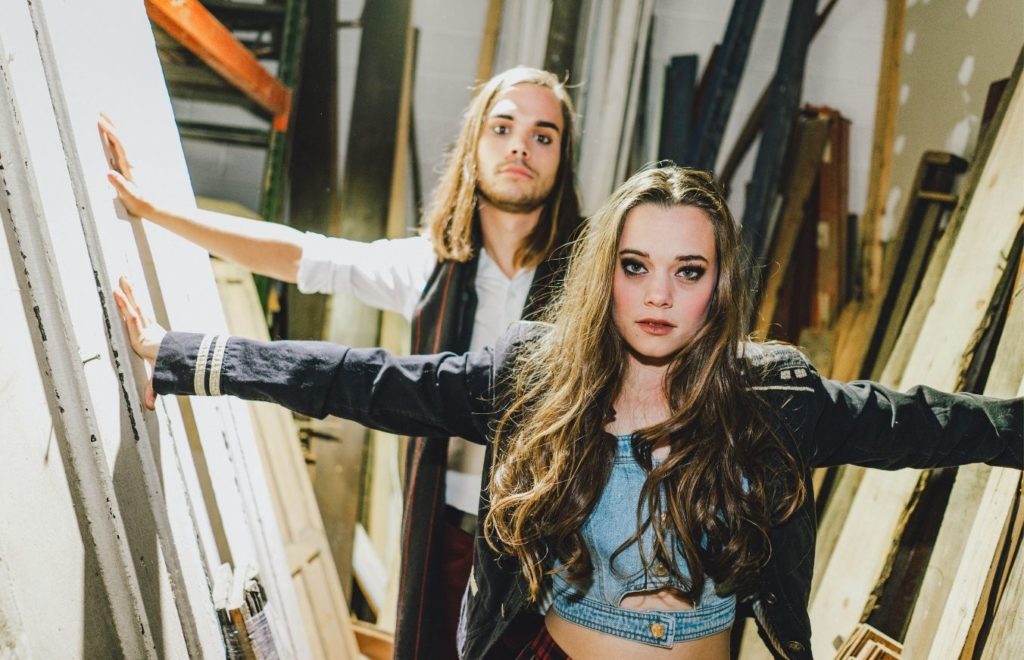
column 519, row 149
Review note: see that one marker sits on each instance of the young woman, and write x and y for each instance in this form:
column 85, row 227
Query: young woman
column 648, row 467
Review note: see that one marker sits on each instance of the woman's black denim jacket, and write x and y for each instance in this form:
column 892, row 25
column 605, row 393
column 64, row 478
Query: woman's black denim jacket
column 828, row 422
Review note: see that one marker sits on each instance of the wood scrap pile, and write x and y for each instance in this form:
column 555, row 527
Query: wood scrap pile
column 912, row 563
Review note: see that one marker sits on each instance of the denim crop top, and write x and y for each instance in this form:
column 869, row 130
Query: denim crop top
column 596, row 603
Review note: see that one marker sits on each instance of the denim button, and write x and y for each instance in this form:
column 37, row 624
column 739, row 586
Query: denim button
column 660, row 570
column 658, row 630
column 770, row 599
column 795, row 646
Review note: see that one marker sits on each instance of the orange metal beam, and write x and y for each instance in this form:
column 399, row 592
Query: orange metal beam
column 195, row 27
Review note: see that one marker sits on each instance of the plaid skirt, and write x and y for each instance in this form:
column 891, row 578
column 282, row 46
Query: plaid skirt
column 542, row 647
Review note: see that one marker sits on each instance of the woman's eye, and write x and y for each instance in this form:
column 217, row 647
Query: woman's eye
column 631, row 267
column 544, row 139
column 692, row 273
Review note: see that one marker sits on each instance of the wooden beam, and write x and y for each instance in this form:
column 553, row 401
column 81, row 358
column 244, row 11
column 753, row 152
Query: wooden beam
column 984, row 227
column 886, row 104
column 197, row 29
column 783, row 104
column 725, row 78
column 308, row 553
column 312, row 189
column 752, row 126
column 489, row 42
column 560, row 55
column 810, row 139
column 677, row 108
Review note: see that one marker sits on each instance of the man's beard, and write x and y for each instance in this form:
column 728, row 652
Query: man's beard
column 523, row 203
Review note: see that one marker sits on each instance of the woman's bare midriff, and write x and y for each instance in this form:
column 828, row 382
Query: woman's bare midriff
column 580, row 642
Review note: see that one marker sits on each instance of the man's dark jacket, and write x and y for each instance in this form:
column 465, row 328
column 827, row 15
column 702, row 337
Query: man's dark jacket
column 443, row 321
column 827, row 423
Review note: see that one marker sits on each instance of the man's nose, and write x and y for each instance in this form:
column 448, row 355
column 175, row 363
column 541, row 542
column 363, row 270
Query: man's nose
column 518, row 146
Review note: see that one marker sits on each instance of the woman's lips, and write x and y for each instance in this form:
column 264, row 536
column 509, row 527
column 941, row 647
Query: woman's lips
column 655, row 327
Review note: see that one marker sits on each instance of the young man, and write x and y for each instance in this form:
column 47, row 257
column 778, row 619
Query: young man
column 488, row 256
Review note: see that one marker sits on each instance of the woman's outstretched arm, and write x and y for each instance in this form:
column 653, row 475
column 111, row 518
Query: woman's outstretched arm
column 422, row 395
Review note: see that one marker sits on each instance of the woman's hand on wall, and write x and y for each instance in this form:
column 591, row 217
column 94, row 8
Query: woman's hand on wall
column 145, row 335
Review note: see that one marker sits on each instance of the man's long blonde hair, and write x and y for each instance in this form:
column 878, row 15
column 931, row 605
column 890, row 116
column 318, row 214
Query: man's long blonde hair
column 450, row 221
column 554, row 457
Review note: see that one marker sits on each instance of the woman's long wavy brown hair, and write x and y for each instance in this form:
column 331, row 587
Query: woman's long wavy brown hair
column 726, row 478
column 450, row 221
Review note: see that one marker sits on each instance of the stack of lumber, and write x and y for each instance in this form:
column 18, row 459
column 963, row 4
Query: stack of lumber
column 930, row 558
column 913, row 563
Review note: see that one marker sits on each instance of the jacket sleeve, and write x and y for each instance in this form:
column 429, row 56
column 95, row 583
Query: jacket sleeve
column 865, row 423
column 420, row 395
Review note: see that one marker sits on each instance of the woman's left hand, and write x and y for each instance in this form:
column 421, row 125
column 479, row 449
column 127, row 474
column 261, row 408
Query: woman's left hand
column 145, row 336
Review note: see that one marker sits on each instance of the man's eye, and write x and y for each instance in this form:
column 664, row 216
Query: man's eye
column 500, row 129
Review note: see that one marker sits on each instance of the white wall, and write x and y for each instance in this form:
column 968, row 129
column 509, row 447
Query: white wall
column 952, row 51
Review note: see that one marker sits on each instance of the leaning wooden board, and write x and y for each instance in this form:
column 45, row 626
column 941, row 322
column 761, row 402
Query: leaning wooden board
column 184, row 489
column 309, row 557
column 988, row 221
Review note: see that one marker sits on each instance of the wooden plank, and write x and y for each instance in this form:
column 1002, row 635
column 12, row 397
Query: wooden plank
column 886, row 103
column 560, row 53
column 1006, row 638
column 716, row 107
column 880, row 318
column 982, row 362
column 894, row 597
column 310, row 562
column 612, row 61
column 909, row 254
column 972, row 528
column 197, row 29
column 832, row 248
column 489, row 41
column 783, row 102
column 677, row 108
column 964, row 584
column 986, row 228
column 809, row 143
column 313, row 166
column 831, row 523
column 374, row 643
column 157, row 263
column 79, row 432
column 923, row 301
column 753, row 124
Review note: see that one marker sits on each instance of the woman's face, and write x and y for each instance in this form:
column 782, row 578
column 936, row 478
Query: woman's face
column 666, row 274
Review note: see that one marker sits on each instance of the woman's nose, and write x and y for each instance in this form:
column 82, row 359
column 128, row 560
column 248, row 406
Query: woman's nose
column 658, row 293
